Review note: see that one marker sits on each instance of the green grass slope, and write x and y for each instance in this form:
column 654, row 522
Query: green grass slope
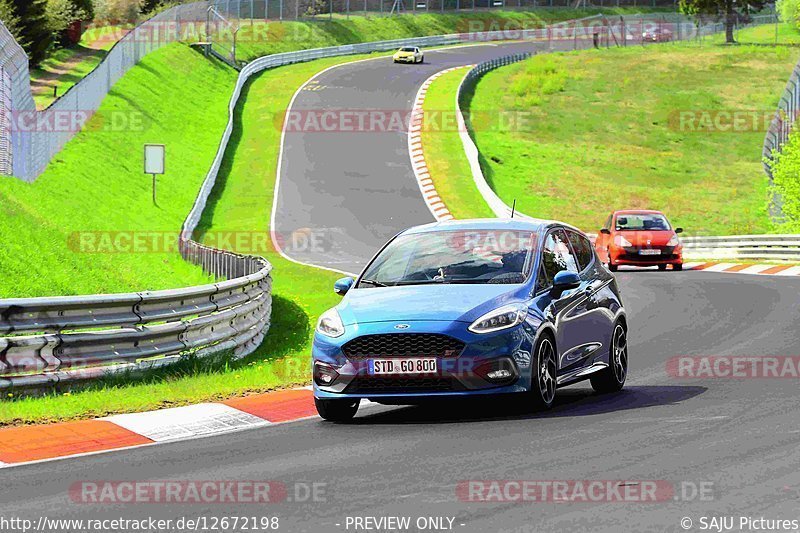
column 444, row 153
column 96, row 184
column 258, row 39
column 603, row 131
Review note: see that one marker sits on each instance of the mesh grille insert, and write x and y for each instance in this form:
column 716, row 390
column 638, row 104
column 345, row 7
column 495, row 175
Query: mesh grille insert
column 403, row 345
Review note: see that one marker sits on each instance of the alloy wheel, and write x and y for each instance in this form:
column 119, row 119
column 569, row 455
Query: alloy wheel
column 547, row 370
column 620, row 353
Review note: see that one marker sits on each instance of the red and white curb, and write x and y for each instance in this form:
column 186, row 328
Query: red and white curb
column 744, row 268
column 35, row 444
column 415, row 150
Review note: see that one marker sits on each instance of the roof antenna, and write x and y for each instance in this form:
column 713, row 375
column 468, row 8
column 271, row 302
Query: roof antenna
column 513, row 208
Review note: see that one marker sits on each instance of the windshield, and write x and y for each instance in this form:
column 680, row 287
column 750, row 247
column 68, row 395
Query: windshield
column 480, row 256
column 642, row 222
column 406, row 49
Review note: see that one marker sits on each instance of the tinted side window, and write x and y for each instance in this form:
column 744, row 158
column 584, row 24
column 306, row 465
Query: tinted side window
column 556, row 255
column 608, row 222
column 582, row 248
column 542, row 283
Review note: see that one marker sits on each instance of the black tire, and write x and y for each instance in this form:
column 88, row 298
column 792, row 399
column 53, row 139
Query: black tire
column 422, row 59
column 662, row 267
column 337, row 410
column 612, row 267
column 677, row 267
column 612, row 379
column 543, row 373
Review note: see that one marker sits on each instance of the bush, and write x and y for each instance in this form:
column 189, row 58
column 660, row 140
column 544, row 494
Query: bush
column 9, row 18
column 34, row 33
column 118, row 10
column 786, row 182
column 788, row 11
column 65, row 18
column 535, row 79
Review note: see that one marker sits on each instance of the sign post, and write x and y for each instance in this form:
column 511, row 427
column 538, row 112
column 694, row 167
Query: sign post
column 154, row 163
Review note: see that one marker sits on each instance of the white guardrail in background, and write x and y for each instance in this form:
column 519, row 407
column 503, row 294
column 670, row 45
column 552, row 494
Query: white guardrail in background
column 45, row 341
column 734, row 247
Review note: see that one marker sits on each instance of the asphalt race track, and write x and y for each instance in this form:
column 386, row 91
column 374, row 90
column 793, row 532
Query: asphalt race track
column 356, row 189
column 737, row 435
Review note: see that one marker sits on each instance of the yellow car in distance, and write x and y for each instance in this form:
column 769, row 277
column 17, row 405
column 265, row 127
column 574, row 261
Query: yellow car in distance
column 408, row 54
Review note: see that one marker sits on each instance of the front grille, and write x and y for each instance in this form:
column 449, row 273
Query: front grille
column 389, row 385
column 403, row 345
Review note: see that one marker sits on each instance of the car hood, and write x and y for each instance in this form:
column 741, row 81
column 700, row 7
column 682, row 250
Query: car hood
column 404, row 53
column 426, row 302
column 641, row 238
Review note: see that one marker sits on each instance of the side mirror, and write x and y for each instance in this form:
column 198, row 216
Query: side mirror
column 343, row 285
column 678, row 230
column 605, row 231
column 564, row 280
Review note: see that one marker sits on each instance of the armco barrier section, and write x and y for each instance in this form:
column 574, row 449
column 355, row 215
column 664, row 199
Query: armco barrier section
column 29, row 149
column 744, row 247
column 64, row 339
column 45, row 341
column 570, row 35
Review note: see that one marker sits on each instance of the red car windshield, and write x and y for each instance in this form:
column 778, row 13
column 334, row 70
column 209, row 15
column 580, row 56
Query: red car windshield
column 642, row 222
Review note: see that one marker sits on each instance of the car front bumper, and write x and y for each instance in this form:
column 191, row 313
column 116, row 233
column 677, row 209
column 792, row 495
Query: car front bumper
column 462, row 374
column 631, row 256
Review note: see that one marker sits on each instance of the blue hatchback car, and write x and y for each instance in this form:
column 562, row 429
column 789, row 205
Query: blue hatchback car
column 474, row 307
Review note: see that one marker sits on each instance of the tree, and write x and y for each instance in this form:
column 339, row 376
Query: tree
column 118, row 10
column 789, row 11
column 35, row 34
column 729, row 10
column 66, row 18
column 9, row 18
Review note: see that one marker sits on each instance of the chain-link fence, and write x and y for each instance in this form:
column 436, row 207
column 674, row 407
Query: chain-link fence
column 36, row 136
column 29, row 139
column 781, row 125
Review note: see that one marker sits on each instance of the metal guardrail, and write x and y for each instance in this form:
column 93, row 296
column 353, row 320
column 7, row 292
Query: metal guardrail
column 497, row 205
column 45, row 341
column 744, row 247
column 65, row 339
column 52, row 340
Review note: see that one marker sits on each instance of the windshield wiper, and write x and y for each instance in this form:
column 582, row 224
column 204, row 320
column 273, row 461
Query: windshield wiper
column 373, row 283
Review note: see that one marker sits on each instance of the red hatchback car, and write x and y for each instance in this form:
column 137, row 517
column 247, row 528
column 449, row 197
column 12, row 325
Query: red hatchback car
column 639, row 238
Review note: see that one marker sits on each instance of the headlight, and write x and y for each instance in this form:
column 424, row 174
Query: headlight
column 330, row 324
column 507, row 316
column 622, row 241
column 674, row 241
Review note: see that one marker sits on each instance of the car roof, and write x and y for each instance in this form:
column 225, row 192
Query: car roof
column 514, row 224
column 638, row 212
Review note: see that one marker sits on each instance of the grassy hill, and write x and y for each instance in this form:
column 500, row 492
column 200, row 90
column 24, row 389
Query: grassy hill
column 636, row 128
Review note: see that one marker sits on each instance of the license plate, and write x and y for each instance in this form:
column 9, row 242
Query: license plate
column 411, row 366
column 650, row 252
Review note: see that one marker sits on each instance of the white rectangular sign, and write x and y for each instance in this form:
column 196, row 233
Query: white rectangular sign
column 154, row 158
